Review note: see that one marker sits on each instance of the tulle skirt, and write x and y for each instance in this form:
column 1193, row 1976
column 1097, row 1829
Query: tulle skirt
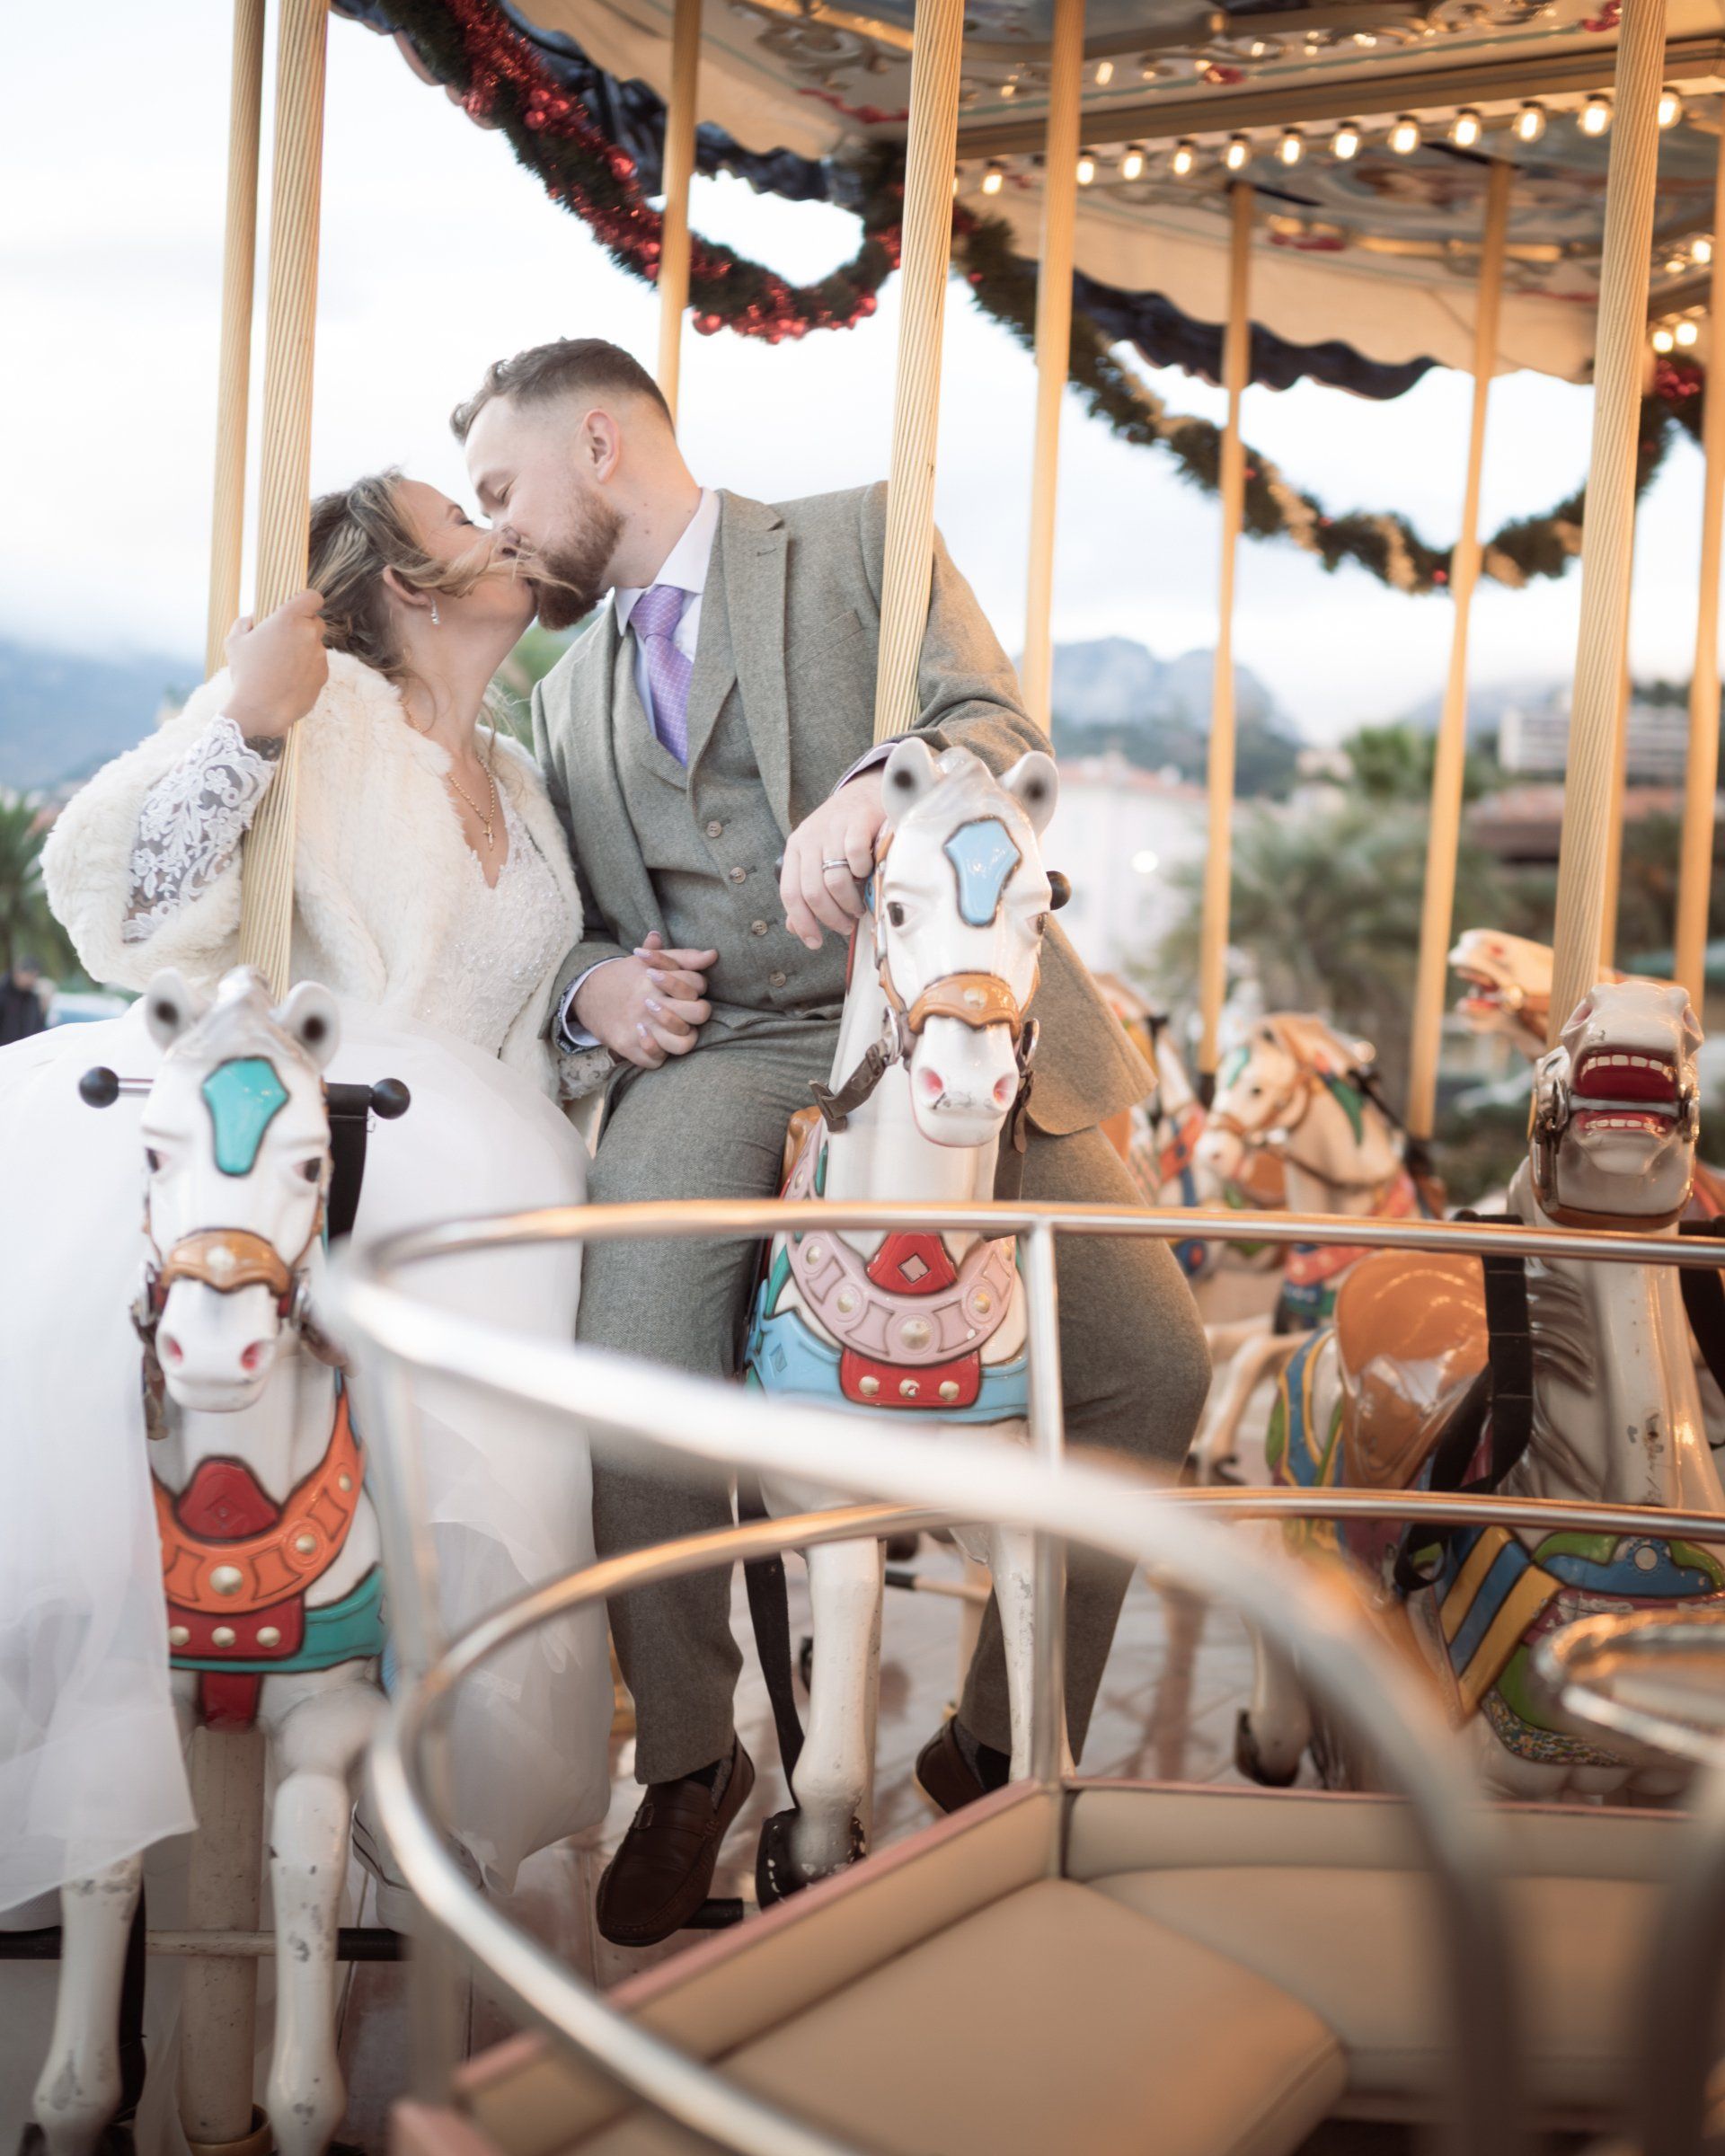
column 90, row 1758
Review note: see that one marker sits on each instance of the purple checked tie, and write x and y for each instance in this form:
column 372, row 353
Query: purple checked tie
column 654, row 621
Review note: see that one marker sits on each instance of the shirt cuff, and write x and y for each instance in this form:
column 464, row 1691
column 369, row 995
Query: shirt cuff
column 569, row 1036
column 876, row 756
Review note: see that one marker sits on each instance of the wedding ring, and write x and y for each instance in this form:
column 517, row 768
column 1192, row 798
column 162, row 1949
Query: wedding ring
column 840, row 863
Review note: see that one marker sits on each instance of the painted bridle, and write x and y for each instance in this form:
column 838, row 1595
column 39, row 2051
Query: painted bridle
column 1287, row 1113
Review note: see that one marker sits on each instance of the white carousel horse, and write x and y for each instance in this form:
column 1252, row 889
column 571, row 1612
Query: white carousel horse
column 1297, row 1089
column 1615, row 1415
column 270, row 1546
column 930, row 1072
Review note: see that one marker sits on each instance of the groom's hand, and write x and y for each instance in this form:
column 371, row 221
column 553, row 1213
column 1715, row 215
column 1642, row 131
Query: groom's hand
column 829, row 857
column 649, row 1006
column 279, row 666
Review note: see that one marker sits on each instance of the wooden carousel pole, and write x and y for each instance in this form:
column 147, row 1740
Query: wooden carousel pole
column 1450, row 764
column 931, row 150
column 1053, row 343
column 1619, row 346
column 1608, row 900
column 234, row 371
column 679, row 172
column 1218, row 865
column 267, row 905
column 1701, row 776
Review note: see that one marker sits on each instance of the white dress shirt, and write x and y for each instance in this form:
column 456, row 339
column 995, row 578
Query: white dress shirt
column 686, row 566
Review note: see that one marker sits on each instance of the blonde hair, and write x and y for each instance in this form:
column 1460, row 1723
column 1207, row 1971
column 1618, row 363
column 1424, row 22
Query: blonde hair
column 356, row 534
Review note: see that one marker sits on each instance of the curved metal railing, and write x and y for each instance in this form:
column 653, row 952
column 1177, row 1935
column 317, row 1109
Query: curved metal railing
column 963, row 1476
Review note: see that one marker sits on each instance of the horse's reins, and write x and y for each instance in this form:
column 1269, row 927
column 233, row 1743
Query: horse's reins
column 1308, row 1084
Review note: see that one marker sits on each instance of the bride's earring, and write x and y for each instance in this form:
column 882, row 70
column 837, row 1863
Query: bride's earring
column 437, row 618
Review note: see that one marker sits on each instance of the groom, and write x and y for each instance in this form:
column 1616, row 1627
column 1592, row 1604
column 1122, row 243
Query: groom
column 708, row 744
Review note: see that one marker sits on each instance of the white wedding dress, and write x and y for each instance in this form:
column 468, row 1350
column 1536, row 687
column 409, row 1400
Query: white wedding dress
column 90, row 1762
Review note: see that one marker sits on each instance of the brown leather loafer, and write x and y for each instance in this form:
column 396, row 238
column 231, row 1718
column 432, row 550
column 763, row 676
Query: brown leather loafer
column 663, row 1871
column 943, row 1774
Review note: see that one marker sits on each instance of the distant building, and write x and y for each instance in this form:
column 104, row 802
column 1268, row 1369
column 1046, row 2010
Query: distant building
column 1523, row 823
column 1534, row 740
column 1117, row 834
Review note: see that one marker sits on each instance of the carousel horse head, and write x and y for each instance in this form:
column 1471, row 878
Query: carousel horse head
column 1616, row 1109
column 1506, row 986
column 236, row 1141
column 1266, row 1087
column 961, row 901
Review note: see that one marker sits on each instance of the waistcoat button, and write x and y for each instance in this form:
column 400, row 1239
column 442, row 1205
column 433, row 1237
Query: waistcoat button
column 737, row 875
column 715, row 830
column 775, row 980
column 758, row 928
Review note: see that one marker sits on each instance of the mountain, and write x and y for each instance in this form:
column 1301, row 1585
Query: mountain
column 1486, row 701
column 63, row 714
column 1112, row 681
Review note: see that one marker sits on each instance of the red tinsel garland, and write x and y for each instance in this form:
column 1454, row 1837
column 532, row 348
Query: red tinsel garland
column 508, row 81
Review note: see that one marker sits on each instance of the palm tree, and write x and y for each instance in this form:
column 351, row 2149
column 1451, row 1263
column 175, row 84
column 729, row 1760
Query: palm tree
column 1328, row 905
column 26, row 925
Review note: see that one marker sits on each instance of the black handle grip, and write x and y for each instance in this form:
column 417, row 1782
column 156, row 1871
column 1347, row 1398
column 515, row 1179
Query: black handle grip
column 99, row 1087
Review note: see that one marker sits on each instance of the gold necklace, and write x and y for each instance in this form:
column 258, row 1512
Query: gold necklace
column 488, row 824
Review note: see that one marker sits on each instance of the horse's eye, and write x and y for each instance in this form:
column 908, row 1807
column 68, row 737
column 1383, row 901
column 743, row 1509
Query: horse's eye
column 311, row 1169
column 1040, row 922
column 896, row 913
column 152, row 1159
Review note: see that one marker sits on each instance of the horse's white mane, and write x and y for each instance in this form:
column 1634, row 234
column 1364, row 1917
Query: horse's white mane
column 1314, row 1042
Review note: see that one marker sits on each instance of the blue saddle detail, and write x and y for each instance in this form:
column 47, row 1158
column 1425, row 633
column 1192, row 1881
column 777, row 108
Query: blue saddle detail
column 349, row 1630
column 786, row 1355
column 1622, row 1574
column 243, row 1097
column 984, row 855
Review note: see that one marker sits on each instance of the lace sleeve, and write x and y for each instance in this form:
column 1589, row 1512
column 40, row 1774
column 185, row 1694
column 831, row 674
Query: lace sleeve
column 192, row 821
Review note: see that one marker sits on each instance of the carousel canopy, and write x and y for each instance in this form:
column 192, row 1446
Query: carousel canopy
column 1365, row 127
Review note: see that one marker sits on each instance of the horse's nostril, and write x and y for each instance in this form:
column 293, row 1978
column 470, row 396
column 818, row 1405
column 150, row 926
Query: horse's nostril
column 1004, row 1087
column 932, row 1084
column 171, row 1351
column 252, row 1358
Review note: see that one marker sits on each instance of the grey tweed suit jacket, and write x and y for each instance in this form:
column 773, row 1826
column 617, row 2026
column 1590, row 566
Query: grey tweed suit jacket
column 790, row 628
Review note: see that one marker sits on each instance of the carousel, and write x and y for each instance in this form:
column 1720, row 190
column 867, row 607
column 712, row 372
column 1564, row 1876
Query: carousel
column 1460, row 1868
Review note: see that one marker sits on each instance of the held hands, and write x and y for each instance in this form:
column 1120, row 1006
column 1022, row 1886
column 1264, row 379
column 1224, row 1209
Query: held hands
column 279, row 666
column 828, row 857
column 649, row 1006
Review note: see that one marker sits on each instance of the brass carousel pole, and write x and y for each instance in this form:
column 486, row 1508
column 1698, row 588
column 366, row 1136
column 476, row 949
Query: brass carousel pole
column 234, row 371
column 1449, row 767
column 267, row 905
column 931, row 150
column 1053, row 342
column 1619, row 344
column 679, row 172
column 1701, row 776
column 1236, row 368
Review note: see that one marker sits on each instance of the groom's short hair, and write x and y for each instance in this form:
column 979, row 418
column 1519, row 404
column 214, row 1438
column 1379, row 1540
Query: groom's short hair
column 584, row 366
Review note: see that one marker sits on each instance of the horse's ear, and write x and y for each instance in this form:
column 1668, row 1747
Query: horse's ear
column 310, row 1015
column 170, row 1007
column 1035, row 785
column 911, row 773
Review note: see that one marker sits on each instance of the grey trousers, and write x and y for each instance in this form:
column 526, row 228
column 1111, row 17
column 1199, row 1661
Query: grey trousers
column 711, row 1125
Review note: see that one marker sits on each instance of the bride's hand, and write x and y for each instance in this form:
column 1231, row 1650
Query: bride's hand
column 279, row 667
column 649, row 1006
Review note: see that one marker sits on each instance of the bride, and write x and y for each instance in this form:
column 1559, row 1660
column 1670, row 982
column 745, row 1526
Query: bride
column 434, row 896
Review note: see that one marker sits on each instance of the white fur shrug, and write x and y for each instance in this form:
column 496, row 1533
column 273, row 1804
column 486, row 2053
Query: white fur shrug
column 378, row 860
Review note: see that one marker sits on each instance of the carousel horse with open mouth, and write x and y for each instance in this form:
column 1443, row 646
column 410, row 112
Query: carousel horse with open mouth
column 270, row 1566
column 931, row 1081
column 1300, row 1091
column 1423, row 1382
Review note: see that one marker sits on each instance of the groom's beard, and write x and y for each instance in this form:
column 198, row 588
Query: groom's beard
column 568, row 580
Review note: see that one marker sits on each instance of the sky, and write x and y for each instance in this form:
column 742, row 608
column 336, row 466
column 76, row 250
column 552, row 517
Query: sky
column 439, row 254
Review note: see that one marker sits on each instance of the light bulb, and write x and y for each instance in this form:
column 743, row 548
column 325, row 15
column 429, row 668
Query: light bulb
column 1466, row 128
column 1237, row 154
column 1291, row 148
column 1530, row 123
column 1132, row 162
column 1345, row 142
column 1663, row 340
column 1404, row 136
column 1104, row 74
column 1086, row 169
column 1184, row 160
column 994, row 180
column 1008, row 89
column 1689, row 331
column 1670, row 107
column 1594, row 116
column 1701, row 250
